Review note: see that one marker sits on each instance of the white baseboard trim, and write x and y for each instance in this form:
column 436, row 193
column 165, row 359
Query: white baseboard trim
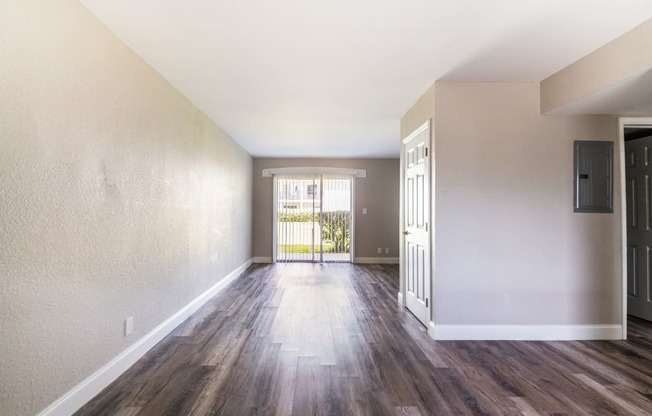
column 431, row 329
column 524, row 332
column 376, row 260
column 399, row 299
column 262, row 259
column 79, row 395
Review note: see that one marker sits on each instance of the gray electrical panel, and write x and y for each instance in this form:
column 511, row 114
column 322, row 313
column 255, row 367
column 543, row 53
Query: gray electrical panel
column 593, row 176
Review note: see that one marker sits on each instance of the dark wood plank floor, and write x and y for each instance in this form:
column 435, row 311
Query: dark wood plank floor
column 311, row 339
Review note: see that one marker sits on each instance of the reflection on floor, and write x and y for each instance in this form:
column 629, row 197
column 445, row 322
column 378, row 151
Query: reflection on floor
column 308, row 257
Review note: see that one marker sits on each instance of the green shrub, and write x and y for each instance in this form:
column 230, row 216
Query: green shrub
column 301, row 216
column 336, row 228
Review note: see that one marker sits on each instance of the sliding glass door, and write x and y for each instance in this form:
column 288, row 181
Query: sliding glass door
column 336, row 219
column 313, row 218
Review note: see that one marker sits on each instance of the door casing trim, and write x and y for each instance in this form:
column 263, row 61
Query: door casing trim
column 622, row 123
column 431, row 223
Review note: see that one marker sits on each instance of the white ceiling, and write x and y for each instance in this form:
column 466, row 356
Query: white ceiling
column 331, row 78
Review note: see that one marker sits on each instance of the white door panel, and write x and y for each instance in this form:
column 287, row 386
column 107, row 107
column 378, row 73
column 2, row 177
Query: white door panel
column 416, row 233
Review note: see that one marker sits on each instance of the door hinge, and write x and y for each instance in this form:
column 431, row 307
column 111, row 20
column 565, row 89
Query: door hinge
column 426, row 302
column 426, row 226
column 426, row 152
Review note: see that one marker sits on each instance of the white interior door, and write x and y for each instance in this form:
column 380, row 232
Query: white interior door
column 416, row 216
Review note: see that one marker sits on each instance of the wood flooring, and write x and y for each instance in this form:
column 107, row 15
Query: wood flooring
column 330, row 339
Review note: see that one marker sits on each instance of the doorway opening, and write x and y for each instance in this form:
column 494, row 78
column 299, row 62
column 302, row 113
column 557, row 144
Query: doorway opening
column 415, row 224
column 313, row 218
column 637, row 205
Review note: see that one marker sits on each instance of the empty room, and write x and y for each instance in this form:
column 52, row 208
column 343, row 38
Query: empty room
column 301, row 207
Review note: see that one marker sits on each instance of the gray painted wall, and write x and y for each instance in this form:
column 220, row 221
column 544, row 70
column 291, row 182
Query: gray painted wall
column 117, row 198
column 509, row 248
column 378, row 192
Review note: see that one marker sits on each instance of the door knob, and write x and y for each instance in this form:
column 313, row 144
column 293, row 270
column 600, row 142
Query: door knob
column 406, row 232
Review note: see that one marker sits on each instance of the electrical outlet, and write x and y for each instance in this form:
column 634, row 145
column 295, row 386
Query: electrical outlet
column 380, row 250
column 364, row 211
column 129, row 326
column 386, row 251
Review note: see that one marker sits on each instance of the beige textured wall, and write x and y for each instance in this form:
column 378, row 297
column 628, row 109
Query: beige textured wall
column 117, row 198
column 624, row 57
column 509, row 248
column 422, row 111
column 378, row 192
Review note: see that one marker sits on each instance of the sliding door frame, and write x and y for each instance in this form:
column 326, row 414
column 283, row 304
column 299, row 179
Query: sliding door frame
column 321, row 171
column 274, row 216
